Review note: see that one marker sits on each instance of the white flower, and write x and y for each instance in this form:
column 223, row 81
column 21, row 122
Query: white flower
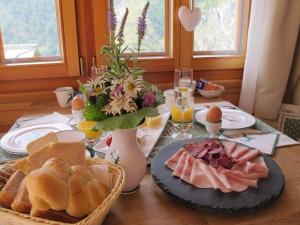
column 118, row 104
column 98, row 86
column 133, row 86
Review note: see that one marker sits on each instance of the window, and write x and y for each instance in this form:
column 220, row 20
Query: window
column 30, row 30
column 37, row 37
column 221, row 28
column 156, row 39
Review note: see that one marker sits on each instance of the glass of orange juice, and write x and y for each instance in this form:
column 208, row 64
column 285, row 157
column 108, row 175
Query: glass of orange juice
column 183, row 114
column 92, row 135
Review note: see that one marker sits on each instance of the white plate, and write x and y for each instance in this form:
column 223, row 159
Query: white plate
column 231, row 118
column 150, row 135
column 15, row 141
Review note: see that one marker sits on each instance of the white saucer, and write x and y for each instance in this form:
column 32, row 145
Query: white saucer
column 231, row 118
column 15, row 141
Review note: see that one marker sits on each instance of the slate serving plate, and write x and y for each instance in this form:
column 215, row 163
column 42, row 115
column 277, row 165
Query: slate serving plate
column 208, row 199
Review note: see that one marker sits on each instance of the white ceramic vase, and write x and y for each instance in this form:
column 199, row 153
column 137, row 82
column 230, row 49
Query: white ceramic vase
column 126, row 150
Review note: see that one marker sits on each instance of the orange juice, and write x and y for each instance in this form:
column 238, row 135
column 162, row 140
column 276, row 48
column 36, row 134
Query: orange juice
column 187, row 114
column 87, row 128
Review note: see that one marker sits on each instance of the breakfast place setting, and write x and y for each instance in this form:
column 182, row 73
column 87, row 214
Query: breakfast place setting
column 118, row 149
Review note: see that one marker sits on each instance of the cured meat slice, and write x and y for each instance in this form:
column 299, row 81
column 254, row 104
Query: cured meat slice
column 239, row 151
column 198, row 177
column 180, row 165
column 172, row 162
column 216, row 184
column 229, row 147
column 187, row 169
column 251, row 154
column 216, row 167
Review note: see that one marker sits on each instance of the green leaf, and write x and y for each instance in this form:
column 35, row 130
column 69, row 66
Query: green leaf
column 127, row 121
column 92, row 112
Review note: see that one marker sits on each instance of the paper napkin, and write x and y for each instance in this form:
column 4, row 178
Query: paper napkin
column 54, row 117
column 266, row 142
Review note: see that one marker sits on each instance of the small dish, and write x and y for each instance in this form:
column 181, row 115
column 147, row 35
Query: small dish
column 212, row 94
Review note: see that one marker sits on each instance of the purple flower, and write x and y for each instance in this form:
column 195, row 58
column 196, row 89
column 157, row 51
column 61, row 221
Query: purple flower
column 142, row 25
column 149, row 99
column 112, row 19
column 118, row 90
column 121, row 31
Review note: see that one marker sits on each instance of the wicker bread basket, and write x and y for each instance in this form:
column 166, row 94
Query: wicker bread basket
column 9, row 217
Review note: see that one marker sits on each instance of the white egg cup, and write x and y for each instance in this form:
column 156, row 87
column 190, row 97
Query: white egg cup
column 78, row 115
column 213, row 128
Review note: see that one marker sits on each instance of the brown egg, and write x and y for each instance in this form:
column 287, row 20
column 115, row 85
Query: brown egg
column 214, row 114
column 77, row 103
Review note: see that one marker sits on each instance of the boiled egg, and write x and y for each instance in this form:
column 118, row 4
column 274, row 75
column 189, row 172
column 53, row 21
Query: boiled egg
column 77, row 103
column 214, row 114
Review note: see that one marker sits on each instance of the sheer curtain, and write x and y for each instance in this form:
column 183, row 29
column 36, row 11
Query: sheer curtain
column 271, row 48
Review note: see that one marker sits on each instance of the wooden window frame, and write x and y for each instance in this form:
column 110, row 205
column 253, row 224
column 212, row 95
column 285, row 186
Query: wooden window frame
column 47, row 68
column 188, row 58
column 151, row 62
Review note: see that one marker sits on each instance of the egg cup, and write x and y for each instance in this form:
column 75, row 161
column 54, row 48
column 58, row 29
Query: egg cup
column 78, row 115
column 213, row 128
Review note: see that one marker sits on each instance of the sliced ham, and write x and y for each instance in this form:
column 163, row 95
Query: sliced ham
column 198, row 177
column 187, row 168
column 239, row 151
column 172, row 162
column 229, row 147
column 251, row 154
column 216, row 184
column 180, row 165
column 216, row 167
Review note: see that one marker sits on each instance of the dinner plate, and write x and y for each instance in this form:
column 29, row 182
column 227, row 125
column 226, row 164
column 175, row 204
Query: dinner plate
column 231, row 118
column 149, row 137
column 15, row 141
column 209, row 199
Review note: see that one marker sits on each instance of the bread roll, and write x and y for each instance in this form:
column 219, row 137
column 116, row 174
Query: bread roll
column 72, row 153
column 78, row 205
column 21, row 202
column 57, row 166
column 101, row 173
column 41, row 142
column 96, row 192
column 10, row 189
column 46, row 190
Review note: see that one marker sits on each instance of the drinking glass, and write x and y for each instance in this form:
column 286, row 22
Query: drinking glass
column 182, row 112
column 183, row 82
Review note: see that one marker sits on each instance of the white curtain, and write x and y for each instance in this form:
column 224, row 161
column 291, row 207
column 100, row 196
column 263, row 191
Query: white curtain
column 272, row 37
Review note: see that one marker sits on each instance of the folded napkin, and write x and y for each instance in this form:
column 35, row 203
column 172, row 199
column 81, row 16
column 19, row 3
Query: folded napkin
column 54, row 117
column 264, row 141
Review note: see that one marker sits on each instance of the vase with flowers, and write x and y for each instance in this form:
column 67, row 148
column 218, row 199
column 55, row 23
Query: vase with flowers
column 120, row 99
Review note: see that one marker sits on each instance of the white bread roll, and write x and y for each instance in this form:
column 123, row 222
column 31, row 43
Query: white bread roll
column 78, row 204
column 57, row 166
column 96, row 192
column 101, row 173
column 46, row 190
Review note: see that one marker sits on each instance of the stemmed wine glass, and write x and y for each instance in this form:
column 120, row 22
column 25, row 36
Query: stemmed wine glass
column 182, row 110
column 184, row 105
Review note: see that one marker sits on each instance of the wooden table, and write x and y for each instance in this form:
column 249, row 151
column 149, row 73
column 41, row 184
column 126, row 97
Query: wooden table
column 150, row 205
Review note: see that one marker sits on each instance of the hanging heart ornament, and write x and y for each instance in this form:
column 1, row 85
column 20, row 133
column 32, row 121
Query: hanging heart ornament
column 189, row 19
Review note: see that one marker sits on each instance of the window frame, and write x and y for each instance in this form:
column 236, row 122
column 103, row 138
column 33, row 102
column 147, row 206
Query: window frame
column 240, row 17
column 158, row 62
column 213, row 62
column 69, row 66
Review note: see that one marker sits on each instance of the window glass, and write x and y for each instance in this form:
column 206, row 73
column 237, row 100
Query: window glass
column 220, row 26
column 30, row 28
column 154, row 40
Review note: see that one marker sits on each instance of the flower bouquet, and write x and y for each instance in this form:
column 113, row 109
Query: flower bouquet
column 120, row 98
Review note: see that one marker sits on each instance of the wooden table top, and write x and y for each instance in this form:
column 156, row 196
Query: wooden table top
column 151, row 206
